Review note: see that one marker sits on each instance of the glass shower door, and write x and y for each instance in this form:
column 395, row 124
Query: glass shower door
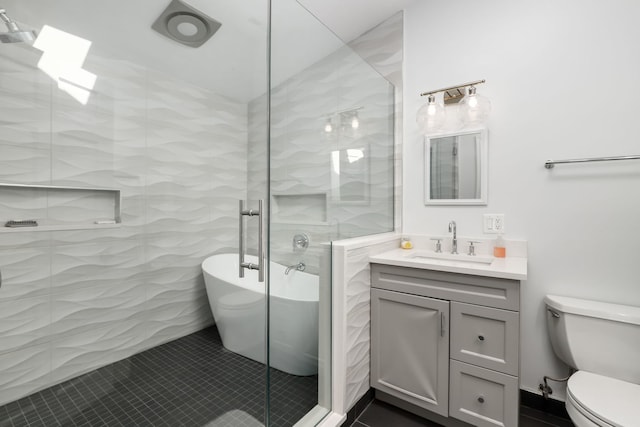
column 331, row 146
column 133, row 174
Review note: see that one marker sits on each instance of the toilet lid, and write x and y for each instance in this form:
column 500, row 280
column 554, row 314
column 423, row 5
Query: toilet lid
column 611, row 400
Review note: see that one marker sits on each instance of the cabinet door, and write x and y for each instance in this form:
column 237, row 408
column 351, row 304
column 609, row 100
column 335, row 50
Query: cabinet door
column 410, row 348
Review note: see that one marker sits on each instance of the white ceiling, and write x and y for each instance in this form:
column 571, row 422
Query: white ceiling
column 350, row 18
column 233, row 62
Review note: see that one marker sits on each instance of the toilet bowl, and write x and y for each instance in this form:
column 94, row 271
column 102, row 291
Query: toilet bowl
column 602, row 341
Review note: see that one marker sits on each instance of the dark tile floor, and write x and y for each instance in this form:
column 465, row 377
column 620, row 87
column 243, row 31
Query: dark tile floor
column 381, row 414
column 193, row 381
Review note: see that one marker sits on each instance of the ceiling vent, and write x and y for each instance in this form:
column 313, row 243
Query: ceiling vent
column 186, row 25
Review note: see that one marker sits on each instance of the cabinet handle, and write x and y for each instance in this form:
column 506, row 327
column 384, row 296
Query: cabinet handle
column 442, row 320
column 480, row 337
column 481, row 399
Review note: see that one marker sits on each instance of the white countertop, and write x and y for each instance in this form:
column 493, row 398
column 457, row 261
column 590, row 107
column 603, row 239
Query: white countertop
column 504, row 268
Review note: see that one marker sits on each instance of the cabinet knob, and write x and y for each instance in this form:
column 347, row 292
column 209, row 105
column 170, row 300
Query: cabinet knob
column 481, row 399
column 480, row 337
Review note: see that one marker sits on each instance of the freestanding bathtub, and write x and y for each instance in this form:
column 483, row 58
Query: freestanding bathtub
column 239, row 308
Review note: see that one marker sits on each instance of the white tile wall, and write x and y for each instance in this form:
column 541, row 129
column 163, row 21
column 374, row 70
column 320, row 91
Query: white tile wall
column 73, row 300
column 352, row 318
column 301, row 153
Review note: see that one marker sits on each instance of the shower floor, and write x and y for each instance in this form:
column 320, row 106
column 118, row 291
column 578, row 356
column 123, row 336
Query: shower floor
column 192, row 381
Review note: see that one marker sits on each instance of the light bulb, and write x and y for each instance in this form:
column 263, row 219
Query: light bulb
column 328, row 128
column 474, row 109
column 355, row 123
column 431, row 116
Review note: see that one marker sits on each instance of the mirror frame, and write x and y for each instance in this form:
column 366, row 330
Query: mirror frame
column 484, row 163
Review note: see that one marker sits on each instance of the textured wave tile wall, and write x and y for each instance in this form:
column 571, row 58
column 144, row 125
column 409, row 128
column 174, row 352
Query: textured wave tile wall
column 73, row 300
column 358, row 307
column 357, row 297
column 25, row 110
column 302, row 152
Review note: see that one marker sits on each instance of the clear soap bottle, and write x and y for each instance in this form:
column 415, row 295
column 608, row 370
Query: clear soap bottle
column 499, row 250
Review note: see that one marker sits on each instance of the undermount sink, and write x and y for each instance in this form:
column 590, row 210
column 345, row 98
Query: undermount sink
column 427, row 255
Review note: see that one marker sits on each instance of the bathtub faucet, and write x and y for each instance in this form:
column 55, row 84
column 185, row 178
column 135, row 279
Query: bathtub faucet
column 299, row 267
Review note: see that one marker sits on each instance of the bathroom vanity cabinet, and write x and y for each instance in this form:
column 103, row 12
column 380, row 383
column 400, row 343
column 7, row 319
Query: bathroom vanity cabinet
column 447, row 342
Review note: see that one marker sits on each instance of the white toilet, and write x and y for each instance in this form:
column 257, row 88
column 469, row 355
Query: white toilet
column 602, row 341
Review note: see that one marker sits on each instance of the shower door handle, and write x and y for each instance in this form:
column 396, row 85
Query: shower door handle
column 241, row 263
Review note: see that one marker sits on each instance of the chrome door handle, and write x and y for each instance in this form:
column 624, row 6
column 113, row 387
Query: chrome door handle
column 442, row 321
column 241, row 242
column 260, row 243
column 241, row 263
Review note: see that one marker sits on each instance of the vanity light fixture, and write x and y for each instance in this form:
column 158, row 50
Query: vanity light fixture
column 344, row 119
column 355, row 121
column 473, row 109
column 328, row 127
column 431, row 116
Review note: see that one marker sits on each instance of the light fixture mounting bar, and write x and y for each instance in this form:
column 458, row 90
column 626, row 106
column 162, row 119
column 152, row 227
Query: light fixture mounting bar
column 446, row 89
column 345, row 110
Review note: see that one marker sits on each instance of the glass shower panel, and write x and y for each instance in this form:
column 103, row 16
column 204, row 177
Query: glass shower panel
column 331, row 177
column 130, row 151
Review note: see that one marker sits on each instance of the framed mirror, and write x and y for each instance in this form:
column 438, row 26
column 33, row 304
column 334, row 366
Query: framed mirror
column 455, row 168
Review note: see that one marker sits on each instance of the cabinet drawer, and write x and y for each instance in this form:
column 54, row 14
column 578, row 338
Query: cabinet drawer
column 486, row 337
column 482, row 397
column 487, row 291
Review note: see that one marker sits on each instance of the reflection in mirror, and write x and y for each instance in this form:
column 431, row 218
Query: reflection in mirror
column 349, row 175
column 456, row 169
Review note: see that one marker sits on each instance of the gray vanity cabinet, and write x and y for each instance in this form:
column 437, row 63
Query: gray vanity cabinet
column 411, row 347
column 447, row 342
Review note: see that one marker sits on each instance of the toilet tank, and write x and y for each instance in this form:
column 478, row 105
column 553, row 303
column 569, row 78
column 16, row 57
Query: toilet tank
column 595, row 336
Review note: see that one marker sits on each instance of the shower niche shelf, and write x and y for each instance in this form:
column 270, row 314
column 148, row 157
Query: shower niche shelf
column 55, row 207
column 290, row 208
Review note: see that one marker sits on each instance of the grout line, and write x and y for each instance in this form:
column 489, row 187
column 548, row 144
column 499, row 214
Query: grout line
column 167, row 385
column 357, row 420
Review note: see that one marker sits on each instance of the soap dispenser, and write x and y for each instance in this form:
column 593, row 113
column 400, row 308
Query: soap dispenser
column 405, row 243
column 499, row 250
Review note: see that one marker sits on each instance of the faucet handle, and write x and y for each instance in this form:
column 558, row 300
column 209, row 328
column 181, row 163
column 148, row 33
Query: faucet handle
column 472, row 249
column 438, row 244
column 300, row 241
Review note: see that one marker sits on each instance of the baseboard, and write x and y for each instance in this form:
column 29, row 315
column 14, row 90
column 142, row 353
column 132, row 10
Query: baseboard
column 527, row 398
column 421, row 412
column 358, row 408
column 550, row 406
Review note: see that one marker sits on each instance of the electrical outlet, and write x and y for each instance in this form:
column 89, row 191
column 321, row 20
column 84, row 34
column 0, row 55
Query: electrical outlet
column 493, row 223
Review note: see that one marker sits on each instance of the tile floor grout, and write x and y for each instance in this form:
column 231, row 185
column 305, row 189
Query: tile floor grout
column 192, row 381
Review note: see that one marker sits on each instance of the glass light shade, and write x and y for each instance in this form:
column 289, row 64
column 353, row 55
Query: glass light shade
column 474, row 109
column 328, row 127
column 431, row 116
column 355, row 121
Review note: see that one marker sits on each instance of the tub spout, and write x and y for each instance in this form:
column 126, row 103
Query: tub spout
column 299, row 267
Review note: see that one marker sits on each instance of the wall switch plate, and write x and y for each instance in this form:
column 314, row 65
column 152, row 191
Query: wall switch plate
column 493, row 223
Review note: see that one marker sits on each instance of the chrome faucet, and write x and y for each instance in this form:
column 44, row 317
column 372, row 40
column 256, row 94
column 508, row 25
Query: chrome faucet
column 298, row 267
column 454, row 243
